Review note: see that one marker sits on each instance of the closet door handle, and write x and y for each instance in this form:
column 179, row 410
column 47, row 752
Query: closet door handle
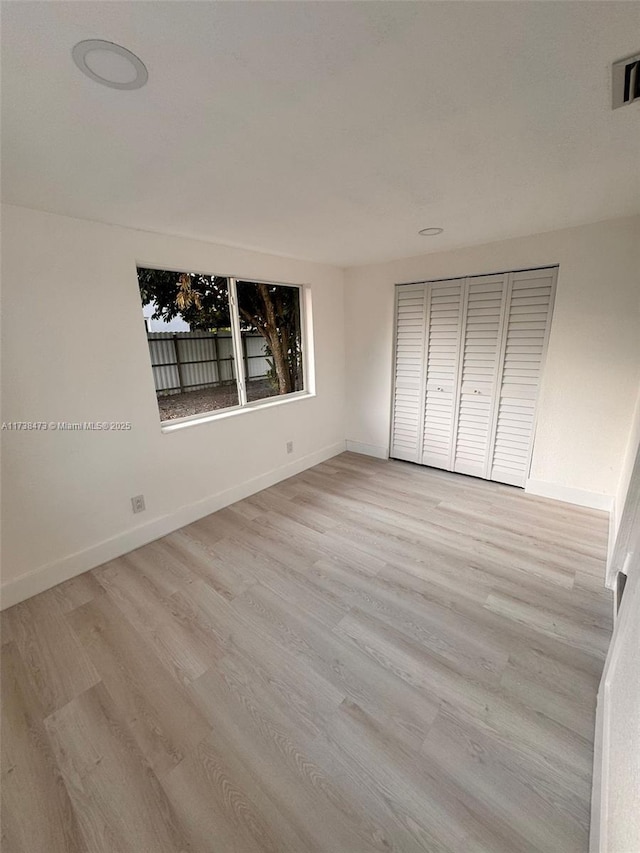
column 477, row 391
column 439, row 388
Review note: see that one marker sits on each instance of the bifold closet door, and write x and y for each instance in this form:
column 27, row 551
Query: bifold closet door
column 526, row 333
column 469, row 358
column 408, row 394
column 444, row 322
column 483, row 321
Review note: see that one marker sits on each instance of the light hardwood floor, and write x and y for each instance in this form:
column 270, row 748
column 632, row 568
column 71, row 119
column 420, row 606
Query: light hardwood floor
column 370, row 656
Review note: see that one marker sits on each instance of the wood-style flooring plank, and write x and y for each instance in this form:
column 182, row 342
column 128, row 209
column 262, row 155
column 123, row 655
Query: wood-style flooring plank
column 510, row 788
column 37, row 816
column 118, row 801
column 57, row 665
column 471, row 698
column 148, row 605
column 163, row 720
column 260, row 725
column 369, row 656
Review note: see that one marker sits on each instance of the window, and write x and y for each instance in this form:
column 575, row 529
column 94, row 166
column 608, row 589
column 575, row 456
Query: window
column 200, row 327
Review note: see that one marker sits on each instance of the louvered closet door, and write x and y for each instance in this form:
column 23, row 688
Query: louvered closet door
column 408, row 395
column 525, row 341
column 478, row 387
column 445, row 310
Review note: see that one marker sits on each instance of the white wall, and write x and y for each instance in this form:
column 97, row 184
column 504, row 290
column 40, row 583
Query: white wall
column 627, row 467
column 593, row 364
column 621, row 815
column 66, row 495
column 620, row 496
column 615, row 818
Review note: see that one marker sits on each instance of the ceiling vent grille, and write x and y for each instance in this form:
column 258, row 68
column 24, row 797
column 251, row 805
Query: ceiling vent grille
column 626, row 81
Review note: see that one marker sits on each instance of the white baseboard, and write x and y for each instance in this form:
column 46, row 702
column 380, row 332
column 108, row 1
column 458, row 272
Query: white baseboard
column 368, row 449
column 45, row 577
column 570, row 495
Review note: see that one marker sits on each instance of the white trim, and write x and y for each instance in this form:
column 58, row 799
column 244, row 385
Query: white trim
column 368, row 449
column 236, row 337
column 625, row 541
column 600, row 791
column 68, row 567
column 231, row 411
column 610, row 575
column 569, row 494
column 175, row 266
column 306, row 331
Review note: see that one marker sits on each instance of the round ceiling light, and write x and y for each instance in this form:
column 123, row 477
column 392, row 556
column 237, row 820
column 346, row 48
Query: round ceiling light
column 430, row 232
column 110, row 64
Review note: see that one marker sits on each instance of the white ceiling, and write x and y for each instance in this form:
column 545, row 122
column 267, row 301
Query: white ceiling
column 331, row 131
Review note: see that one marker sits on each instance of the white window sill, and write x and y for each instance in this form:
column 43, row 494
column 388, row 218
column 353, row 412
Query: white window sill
column 233, row 411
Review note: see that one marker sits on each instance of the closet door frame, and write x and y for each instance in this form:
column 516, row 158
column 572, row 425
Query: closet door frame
column 502, row 342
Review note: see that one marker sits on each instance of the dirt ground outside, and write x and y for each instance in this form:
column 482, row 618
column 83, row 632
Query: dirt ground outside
column 189, row 403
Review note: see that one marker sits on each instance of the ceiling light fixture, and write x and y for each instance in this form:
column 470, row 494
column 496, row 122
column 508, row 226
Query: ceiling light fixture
column 110, row 64
column 430, row 232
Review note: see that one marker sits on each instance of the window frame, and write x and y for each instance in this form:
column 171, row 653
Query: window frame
column 308, row 390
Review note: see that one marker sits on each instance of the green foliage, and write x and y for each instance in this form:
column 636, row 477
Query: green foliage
column 202, row 301
column 163, row 287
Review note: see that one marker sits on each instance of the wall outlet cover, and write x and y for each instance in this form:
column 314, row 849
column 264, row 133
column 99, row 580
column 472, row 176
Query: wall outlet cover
column 137, row 503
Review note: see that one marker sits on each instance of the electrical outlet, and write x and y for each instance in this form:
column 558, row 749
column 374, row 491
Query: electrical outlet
column 289, row 447
column 137, row 503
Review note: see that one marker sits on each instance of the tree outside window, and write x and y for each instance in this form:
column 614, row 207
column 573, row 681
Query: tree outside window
column 198, row 374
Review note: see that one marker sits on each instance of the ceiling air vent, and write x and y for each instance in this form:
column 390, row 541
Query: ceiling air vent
column 626, row 81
